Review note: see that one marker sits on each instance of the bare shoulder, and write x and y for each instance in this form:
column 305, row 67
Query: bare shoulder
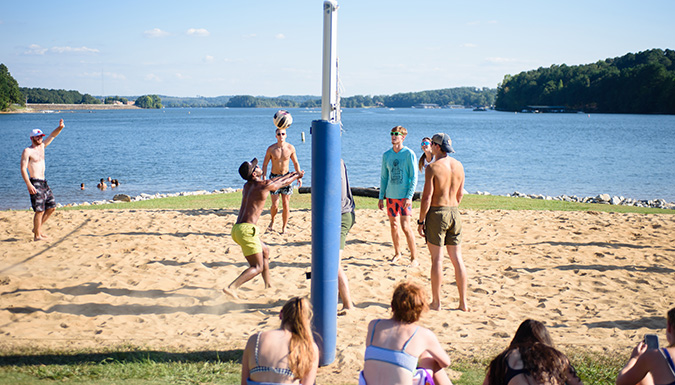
column 28, row 151
column 428, row 334
column 251, row 340
column 371, row 325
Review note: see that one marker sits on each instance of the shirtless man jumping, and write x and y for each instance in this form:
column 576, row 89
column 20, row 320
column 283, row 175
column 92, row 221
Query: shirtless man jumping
column 280, row 153
column 245, row 232
column 33, row 173
column 439, row 222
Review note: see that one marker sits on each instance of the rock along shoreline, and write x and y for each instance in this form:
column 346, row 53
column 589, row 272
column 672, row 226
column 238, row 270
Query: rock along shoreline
column 372, row 192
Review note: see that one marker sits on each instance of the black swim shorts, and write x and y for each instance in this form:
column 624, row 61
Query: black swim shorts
column 288, row 190
column 43, row 199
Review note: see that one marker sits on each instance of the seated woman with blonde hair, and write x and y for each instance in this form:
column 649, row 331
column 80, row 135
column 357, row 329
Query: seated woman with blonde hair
column 287, row 355
column 531, row 359
column 400, row 352
column 652, row 366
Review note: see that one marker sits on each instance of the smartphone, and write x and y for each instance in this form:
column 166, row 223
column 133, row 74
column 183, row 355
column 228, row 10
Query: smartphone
column 652, row 341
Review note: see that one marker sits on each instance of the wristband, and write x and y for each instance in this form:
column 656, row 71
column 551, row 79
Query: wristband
column 420, row 222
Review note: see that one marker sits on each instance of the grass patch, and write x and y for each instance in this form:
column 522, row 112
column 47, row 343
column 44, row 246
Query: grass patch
column 304, row 201
column 131, row 366
column 592, row 367
column 127, row 366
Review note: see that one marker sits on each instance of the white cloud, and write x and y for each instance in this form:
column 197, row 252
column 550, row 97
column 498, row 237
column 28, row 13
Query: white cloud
column 106, row 75
column 35, row 49
column 181, row 76
column 153, row 77
column 209, row 59
column 249, row 36
column 155, row 32
column 280, row 36
column 201, row 32
column 73, row 50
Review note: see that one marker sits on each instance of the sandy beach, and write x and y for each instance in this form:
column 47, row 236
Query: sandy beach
column 57, row 108
column 153, row 279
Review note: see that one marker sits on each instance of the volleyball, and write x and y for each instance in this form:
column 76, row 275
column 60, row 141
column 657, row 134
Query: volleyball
column 283, row 119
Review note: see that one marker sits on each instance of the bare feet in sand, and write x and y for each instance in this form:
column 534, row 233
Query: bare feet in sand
column 345, row 311
column 39, row 237
column 437, row 307
column 231, row 292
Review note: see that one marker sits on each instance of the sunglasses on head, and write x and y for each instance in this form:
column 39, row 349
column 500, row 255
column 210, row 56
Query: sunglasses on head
column 396, row 133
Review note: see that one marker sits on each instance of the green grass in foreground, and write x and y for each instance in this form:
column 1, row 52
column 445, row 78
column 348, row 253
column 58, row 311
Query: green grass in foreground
column 129, row 366
column 304, row 201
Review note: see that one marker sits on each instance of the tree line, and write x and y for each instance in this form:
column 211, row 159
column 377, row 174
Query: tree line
column 641, row 83
column 47, row 96
column 463, row 96
column 634, row 83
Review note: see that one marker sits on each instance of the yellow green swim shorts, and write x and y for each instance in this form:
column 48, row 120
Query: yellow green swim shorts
column 247, row 236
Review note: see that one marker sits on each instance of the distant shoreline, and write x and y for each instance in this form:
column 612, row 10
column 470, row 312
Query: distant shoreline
column 43, row 108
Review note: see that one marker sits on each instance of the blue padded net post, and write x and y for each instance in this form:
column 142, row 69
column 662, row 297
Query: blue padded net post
column 326, row 219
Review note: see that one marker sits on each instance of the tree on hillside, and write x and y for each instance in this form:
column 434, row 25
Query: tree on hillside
column 634, row 83
column 9, row 89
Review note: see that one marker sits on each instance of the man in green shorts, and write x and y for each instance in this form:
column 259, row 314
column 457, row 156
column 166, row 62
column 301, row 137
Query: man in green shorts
column 439, row 220
column 245, row 232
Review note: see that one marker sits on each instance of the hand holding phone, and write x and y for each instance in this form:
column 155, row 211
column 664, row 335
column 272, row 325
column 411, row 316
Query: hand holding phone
column 652, row 341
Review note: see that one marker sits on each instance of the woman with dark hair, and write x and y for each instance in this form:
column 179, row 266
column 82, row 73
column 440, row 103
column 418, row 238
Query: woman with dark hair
column 531, row 359
column 398, row 350
column 653, row 366
column 287, row 355
column 427, row 156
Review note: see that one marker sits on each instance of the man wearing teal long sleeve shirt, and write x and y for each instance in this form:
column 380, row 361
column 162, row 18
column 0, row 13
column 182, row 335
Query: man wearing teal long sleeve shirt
column 397, row 185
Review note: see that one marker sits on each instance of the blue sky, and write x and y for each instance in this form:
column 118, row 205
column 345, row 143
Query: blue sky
column 272, row 48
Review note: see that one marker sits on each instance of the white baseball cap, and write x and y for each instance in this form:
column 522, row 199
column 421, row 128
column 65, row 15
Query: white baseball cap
column 36, row 132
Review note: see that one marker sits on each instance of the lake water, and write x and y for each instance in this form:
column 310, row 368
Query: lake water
column 173, row 150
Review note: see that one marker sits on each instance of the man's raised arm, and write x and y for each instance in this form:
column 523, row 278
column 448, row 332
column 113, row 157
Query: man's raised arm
column 54, row 133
